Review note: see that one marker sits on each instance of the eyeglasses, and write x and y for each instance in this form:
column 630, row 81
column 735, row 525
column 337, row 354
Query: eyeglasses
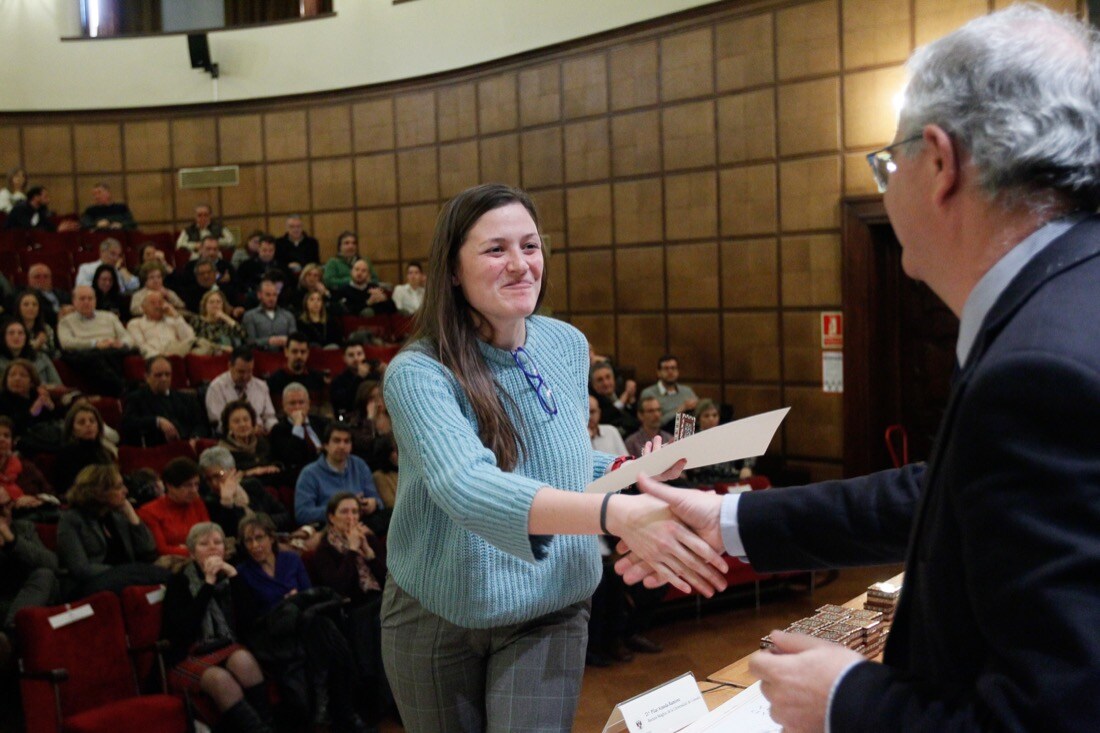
column 542, row 389
column 882, row 162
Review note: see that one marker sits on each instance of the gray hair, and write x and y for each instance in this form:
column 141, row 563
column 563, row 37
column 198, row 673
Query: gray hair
column 217, row 457
column 1019, row 90
column 108, row 243
column 199, row 531
column 294, row 387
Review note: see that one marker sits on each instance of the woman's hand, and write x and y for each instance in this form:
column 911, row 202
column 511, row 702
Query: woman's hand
column 670, row 473
column 675, row 553
column 130, row 513
column 27, row 501
column 39, row 341
column 214, row 565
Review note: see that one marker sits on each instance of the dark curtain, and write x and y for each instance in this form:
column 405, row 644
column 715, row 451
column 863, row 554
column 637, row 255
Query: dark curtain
column 123, row 17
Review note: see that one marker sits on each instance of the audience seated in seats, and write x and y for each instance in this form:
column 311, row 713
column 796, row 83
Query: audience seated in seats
column 274, row 578
column 310, row 280
column 34, row 213
column 28, row 309
column 296, row 249
column 16, row 345
column 101, row 540
column 708, row 416
column 172, row 516
column 203, row 280
column 7, row 292
column 363, row 296
column 369, row 422
column 83, row 443
column 151, row 274
column 150, row 252
column 649, row 414
column 210, row 251
column 251, row 271
column 202, row 227
column 215, row 330
column 345, row 385
column 110, row 253
column 334, row 471
column 296, row 370
column 296, row 439
column 155, row 414
column 28, row 571
column 268, row 325
column 94, row 343
column 53, row 303
column 247, row 444
column 250, row 250
column 619, row 410
column 108, row 295
column 338, row 268
column 14, row 191
column 385, row 468
column 231, row 496
column 604, row 437
column 34, row 414
column 673, row 396
column 25, row 484
column 200, row 624
column 317, row 324
column 349, row 559
column 162, row 330
column 237, row 384
column 408, row 296
column 105, row 213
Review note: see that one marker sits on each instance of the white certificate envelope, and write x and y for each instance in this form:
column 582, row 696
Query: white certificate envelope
column 733, row 441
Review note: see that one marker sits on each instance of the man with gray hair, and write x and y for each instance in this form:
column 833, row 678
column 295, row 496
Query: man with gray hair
column 230, row 497
column 296, row 438
column 992, row 185
column 110, row 253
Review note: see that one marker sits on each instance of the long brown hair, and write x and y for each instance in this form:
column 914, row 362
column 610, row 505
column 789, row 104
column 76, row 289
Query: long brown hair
column 450, row 327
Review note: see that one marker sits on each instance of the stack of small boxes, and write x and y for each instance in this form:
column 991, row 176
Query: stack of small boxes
column 861, row 629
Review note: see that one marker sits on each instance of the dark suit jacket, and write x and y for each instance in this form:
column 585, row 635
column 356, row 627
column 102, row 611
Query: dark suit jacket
column 82, row 547
column 142, row 408
column 22, row 214
column 294, row 452
column 998, row 626
column 303, row 253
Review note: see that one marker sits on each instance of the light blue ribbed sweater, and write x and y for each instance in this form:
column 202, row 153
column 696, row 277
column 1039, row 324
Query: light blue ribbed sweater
column 458, row 540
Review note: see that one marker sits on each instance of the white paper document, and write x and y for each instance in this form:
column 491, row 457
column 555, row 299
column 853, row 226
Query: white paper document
column 666, row 708
column 733, row 441
column 748, row 712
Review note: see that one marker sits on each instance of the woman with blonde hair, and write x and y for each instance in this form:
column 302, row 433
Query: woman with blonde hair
column 215, row 330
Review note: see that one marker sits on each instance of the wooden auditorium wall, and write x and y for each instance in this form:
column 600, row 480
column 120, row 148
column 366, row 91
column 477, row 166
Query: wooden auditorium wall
column 688, row 173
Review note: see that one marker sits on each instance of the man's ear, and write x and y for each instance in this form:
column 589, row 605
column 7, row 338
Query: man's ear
column 946, row 162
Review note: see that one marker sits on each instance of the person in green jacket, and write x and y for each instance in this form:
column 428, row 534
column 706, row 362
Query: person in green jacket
column 338, row 269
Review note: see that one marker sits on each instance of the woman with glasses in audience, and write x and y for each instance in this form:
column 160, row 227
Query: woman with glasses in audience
column 200, row 624
column 28, row 310
column 490, row 571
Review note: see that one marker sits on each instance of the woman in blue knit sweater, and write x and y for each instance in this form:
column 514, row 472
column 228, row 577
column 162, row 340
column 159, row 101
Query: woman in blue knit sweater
column 492, row 553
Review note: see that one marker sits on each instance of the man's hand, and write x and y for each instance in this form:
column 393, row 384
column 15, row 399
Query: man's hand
column 699, row 510
column 279, row 341
column 368, row 504
column 297, row 418
column 165, row 425
column 797, row 677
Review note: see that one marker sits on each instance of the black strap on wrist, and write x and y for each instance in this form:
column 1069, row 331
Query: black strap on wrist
column 603, row 512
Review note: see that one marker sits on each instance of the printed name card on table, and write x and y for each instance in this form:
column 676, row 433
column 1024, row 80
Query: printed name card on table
column 664, row 709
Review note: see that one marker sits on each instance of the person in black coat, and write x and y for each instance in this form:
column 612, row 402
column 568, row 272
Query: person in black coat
column 229, row 497
column 296, row 249
column 154, row 413
column 297, row 438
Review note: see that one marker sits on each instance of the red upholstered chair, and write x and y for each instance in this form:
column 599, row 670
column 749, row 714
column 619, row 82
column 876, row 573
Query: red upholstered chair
column 133, row 369
column 326, row 360
column 9, row 263
column 131, row 458
column 12, row 240
column 72, row 378
column 110, row 409
column 203, row 369
column 266, row 363
column 76, row 675
column 374, row 325
column 142, row 608
column 68, row 241
column 82, row 256
column 381, row 353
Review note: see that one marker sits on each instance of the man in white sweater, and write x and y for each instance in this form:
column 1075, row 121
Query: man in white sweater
column 161, row 330
column 94, row 342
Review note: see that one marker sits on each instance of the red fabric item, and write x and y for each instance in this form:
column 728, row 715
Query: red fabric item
column 161, row 713
column 10, row 474
column 170, row 522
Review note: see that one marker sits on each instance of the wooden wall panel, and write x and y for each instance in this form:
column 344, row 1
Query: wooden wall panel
column 377, row 230
column 811, row 426
column 550, row 205
column 687, row 64
column 584, row 85
column 688, row 132
column 870, row 32
column 194, row 142
column 285, row 135
column 542, row 157
column 692, row 277
column 540, row 95
column 288, row 187
column 744, row 52
column 633, row 75
column 249, row 197
column 589, row 216
column 417, row 175
column 748, row 204
column 496, row 104
column 376, row 179
column 149, row 196
column 802, row 346
column 556, row 283
column 147, row 145
column 458, row 168
column 47, row 149
column 331, row 183
column 809, row 117
column 636, row 143
column 746, row 126
column 639, row 216
column 750, row 274
column 691, row 206
column 642, row 341
column 811, row 269
column 415, row 119
column 330, row 130
column 640, row 280
column 869, row 116
column 372, row 125
column 587, row 294
column 327, row 228
column 806, row 40
column 810, row 193
column 241, row 138
column 11, row 149
column 417, row 226
column 693, row 339
column 457, row 111
column 587, row 152
column 751, row 345
column 600, row 331
column 500, row 159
